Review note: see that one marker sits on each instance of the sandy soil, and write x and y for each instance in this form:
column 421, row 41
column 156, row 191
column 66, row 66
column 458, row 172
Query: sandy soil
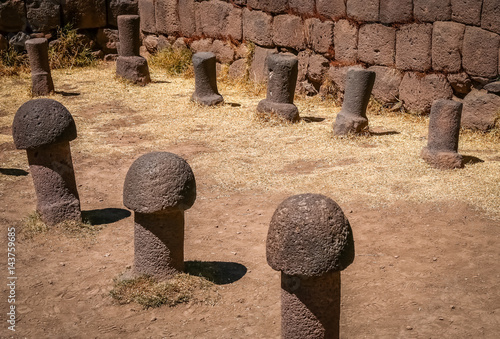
column 422, row 270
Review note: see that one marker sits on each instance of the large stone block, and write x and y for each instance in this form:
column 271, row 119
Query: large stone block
column 432, row 10
column 363, row 10
column 333, row 9
column 234, row 27
column 305, row 7
column 418, row 91
column 413, row 47
column 319, row 34
column 376, row 44
column 212, row 17
column 258, row 68
column 345, row 41
column 12, row 16
column 187, row 22
column 396, row 11
column 288, row 31
column 466, row 11
column 447, row 40
column 387, row 81
column 317, row 68
column 480, row 52
column 258, row 27
column 84, row 13
column 338, row 74
column 167, row 17
column 490, row 17
column 43, row 15
column 120, row 7
column 274, row 6
column 481, row 110
column 223, row 51
column 147, row 14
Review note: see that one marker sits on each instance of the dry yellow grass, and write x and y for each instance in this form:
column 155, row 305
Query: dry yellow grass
column 248, row 154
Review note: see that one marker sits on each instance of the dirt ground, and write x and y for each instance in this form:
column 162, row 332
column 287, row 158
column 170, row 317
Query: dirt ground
column 427, row 255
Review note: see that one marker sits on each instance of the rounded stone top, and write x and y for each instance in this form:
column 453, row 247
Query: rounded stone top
column 159, row 181
column 282, row 60
column 36, row 41
column 41, row 122
column 127, row 17
column 309, row 235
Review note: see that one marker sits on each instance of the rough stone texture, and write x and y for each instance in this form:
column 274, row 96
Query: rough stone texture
column 376, row 44
column 444, row 130
column 319, row 35
column 41, row 79
column 305, row 7
column 338, row 74
column 480, row 52
column 41, row 122
column 213, row 19
column 128, row 30
column 346, row 41
column 44, row 128
column 288, row 31
column 4, row 43
column 310, row 306
column 460, row 82
column 363, row 10
column 107, row 39
column 84, row 13
column 418, row 91
column 274, row 6
column 206, row 92
column 151, row 43
column 147, row 14
column 259, row 69
column 12, row 16
column 187, row 18
column 447, row 40
column 432, row 10
column 120, row 7
column 167, row 17
column 490, row 16
column 134, row 69
column 386, row 86
column 317, row 67
column 332, row 9
column 493, row 87
column 159, row 182
column 413, row 47
column 481, row 110
column 258, row 27
column 466, row 11
column 309, row 235
column 238, row 69
column 18, row 41
column 202, row 45
column 43, row 15
column 223, row 51
column 392, row 11
column 352, row 117
column 283, row 71
column 159, row 244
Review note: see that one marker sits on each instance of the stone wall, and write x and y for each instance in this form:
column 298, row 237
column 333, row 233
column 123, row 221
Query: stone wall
column 421, row 50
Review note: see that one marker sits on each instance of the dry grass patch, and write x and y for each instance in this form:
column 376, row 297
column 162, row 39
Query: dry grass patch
column 149, row 292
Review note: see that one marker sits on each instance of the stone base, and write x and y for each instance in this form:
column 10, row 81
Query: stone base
column 349, row 124
column 442, row 160
column 288, row 112
column 41, row 84
column 133, row 68
column 207, row 100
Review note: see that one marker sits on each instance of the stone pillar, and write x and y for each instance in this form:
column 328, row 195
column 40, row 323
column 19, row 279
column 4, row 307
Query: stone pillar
column 283, row 71
column 358, row 88
column 41, row 79
column 205, row 74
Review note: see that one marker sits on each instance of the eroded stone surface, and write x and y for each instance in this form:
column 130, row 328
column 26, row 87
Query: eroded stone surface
column 481, row 110
column 387, row 81
column 413, row 47
column 396, row 11
column 309, row 235
column 206, row 92
column 376, row 44
column 159, row 181
column 480, row 52
column 418, row 91
column 346, row 41
column 41, row 79
column 447, row 41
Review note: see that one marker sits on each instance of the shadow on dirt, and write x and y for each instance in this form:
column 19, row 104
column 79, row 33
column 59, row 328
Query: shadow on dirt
column 218, row 272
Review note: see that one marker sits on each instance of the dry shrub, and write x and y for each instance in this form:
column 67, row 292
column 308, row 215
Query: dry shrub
column 70, row 50
column 13, row 62
column 149, row 292
column 175, row 61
